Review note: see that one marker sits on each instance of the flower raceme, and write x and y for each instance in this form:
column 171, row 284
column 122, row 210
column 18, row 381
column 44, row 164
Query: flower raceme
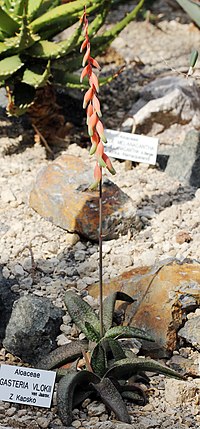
column 92, row 104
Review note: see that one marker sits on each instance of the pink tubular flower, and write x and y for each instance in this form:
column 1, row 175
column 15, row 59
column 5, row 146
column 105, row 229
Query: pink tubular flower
column 91, row 102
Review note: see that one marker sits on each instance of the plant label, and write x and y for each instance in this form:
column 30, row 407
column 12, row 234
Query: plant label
column 28, row 386
column 133, row 147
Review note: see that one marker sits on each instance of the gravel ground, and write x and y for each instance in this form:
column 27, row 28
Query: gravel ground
column 63, row 260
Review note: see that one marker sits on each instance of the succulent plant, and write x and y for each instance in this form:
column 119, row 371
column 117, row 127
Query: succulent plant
column 30, row 57
column 110, row 369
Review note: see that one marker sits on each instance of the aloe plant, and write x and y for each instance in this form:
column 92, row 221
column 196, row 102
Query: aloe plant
column 112, row 366
column 29, row 55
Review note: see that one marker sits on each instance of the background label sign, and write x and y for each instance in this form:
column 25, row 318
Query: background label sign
column 26, row 385
column 133, row 147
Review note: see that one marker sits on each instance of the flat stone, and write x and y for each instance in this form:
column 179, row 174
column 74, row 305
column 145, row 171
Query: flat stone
column 61, row 195
column 191, row 332
column 178, row 392
column 33, row 327
column 184, row 161
column 159, row 308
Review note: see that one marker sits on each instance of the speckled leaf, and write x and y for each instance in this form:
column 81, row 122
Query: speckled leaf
column 99, row 359
column 127, row 332
column 126, row 368
column 33, row 7
column 112, row 399
column 81, row 312
column 66, row 393
column 62, row 355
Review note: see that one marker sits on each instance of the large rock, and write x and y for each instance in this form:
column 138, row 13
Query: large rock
column 184, row 160
column 191, row 331
column 33, row 327
column 163, row 294
column 7, row 298
column 61, row 195
column 178, row 392
column 166, row 101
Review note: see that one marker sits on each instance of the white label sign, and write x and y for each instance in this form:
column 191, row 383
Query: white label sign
column 132, row 147
column 26, row 385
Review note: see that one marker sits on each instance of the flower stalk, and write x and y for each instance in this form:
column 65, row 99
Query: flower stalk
column 97, row 136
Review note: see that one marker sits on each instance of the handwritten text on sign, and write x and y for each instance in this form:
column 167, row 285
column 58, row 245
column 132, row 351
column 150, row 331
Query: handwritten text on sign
column 132, row 147
column 26, row 385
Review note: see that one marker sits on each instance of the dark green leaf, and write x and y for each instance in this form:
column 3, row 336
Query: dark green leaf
column 109, row 306
column 127, row 332
column 68, row 386
column 112, row 399
column 63, row 355
column 81, row 312
column 99, row 359
column 125, row 368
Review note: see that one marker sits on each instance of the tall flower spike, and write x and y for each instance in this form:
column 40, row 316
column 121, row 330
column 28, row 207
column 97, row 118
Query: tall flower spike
column 91, row 101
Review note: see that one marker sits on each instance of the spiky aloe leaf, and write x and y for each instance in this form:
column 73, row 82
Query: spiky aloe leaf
column 68, row 386
column 126, row 368
column 109, row 306
column 45, row 6
column 18, row 8
column 46, row 49
column 112, row 399
column 8, row 66
column 36, row 75
column 22, row 98
column 8, row 26
column 192, row 8
column 127, row 332
column 62, row 355
column 81, row 312
column 23, row 40
column 33, row 8
column 61, row 16
column 72, row 80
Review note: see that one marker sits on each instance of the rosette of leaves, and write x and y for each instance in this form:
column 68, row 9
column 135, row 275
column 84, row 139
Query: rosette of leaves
column 30, row 56
column 111, row 369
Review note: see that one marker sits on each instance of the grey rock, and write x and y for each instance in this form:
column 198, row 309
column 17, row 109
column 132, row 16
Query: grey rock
column 7, row 298
column 32, row 328
column 191, row 332
column 166, row 101
column 184, row 162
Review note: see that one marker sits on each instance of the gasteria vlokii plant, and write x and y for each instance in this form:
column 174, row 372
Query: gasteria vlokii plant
column 111, row 371
column 30, row 56
column 110, row 368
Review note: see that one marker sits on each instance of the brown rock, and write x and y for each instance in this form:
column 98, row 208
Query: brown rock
column 61, row 195
column 183, row 237
column 160, row 292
